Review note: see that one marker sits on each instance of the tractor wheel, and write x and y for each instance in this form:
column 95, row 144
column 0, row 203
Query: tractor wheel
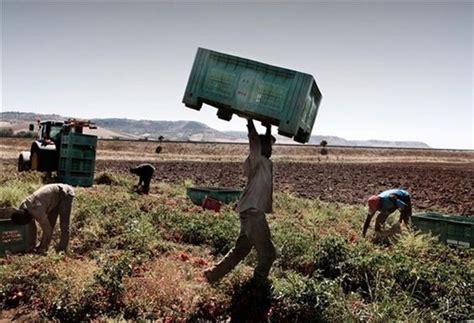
column 35, row 159
column 22, row 165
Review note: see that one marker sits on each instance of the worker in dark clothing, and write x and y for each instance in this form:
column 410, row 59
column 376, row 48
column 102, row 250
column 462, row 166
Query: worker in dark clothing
column 145, row 173
column 255, row 201
column 386, row 203
column 44, row 206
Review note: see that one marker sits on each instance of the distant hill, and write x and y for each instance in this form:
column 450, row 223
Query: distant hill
column 171, row 130
column 183, row 131
column 19, row 121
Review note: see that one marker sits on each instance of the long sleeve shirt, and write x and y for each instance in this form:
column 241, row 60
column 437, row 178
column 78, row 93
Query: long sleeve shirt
column 42, row 202
column 258, row 193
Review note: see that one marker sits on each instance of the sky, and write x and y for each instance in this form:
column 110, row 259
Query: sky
column 387, row 70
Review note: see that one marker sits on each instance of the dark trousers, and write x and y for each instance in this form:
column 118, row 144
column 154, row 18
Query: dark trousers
column 64, row 212
column 254, row 232
column 145, row 181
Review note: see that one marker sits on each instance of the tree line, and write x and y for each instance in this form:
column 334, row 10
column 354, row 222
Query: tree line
column 9, row 133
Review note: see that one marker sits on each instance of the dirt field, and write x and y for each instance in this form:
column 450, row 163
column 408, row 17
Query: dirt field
column 446, row 187
column 437, row 179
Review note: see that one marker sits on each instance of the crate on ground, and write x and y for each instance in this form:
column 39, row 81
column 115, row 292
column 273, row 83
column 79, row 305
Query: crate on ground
column 284, row 98
column 77, row 159
column 210, row 203
column 224, row 195
column 13, row 237
column 451, row 229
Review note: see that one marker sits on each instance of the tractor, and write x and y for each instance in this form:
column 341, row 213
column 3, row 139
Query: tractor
column 45, row 151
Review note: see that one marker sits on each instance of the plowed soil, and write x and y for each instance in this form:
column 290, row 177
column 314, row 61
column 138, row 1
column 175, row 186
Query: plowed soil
column 433, row 186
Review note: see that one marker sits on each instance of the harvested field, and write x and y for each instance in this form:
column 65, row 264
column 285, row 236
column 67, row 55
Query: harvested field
column 144, row 150
column 437, row 179
column 445, row 187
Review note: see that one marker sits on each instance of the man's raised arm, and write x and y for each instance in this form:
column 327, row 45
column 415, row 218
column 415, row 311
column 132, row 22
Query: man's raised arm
column 254, row 140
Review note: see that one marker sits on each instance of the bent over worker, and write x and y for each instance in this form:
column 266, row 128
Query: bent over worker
column 145, row 173
column 386, row 203
column 44, row 206
column 255, row 201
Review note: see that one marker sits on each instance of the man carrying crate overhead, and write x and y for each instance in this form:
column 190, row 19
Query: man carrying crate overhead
column 255, row 201
column 44, row 206
column 386, row 203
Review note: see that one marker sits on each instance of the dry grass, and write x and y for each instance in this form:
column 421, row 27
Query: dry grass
column 74, row 275
column 142, row 150
column 168, row 285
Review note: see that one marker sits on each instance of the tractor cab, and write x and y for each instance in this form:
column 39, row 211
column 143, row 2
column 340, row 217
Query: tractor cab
column 49, row 132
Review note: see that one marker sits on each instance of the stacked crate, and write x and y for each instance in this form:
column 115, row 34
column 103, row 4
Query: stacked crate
column 77, row 159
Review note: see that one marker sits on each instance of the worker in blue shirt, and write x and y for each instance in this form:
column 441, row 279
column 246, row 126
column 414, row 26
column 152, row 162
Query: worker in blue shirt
column 386, row 203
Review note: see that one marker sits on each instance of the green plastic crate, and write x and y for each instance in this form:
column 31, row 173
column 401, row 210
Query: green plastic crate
column 274, row 95
column 450, row 229
column 222, row 194
column 13, row 237
column 75, row 138
column 77, row 159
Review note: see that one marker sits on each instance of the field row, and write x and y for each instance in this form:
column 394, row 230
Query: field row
column 441, row 187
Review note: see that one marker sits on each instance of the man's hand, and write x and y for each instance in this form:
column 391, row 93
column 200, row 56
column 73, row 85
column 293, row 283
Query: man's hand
column 367, row 223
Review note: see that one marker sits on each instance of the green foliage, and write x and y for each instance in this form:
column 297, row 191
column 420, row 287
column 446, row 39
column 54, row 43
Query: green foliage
column 113, row 221
column 140, row 235
column 439, row 287
column 294, row 250
column 302, row 299
column 218, row 232
column 325, row 271
column 110, row 281
column 12, row 192
column 11, row 197
column 331, row 253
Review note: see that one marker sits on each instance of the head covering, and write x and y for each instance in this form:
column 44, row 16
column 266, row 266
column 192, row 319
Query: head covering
column 21, row 217
column 374, row 203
